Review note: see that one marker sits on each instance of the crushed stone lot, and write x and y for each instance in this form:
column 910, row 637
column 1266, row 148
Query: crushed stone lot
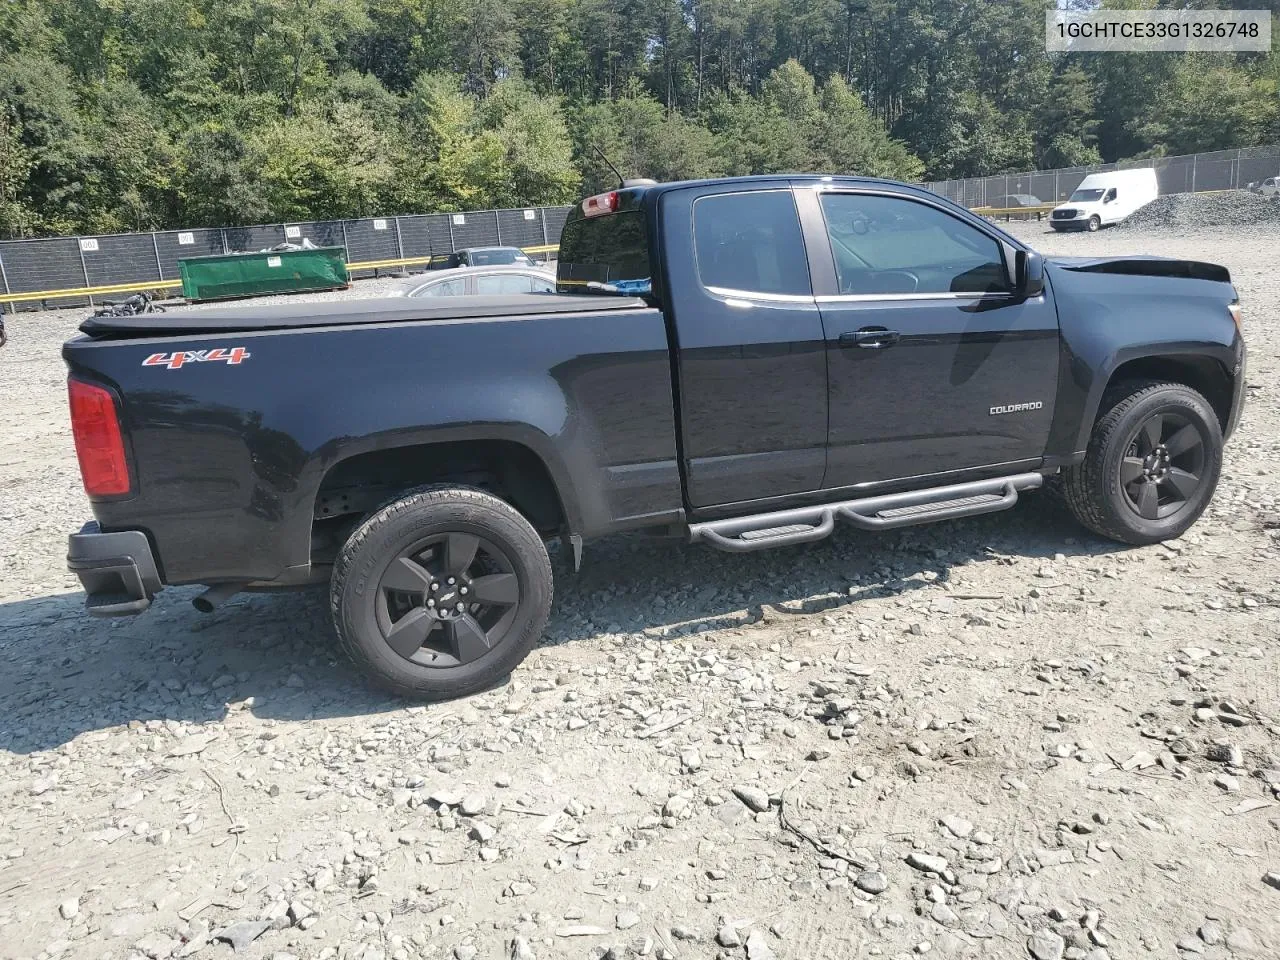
column 1000, row 737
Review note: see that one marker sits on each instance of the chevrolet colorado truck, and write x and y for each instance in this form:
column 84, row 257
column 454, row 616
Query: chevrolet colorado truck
column 744, row 362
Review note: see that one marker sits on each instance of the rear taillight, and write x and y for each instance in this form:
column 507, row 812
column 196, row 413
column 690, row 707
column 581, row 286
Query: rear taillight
column 1235, row 313
column 95, row 424
column 600, row 203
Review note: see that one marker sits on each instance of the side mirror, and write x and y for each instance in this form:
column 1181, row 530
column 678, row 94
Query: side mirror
column 1028, row 270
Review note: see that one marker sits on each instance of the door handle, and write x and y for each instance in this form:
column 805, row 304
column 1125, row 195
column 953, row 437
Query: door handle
column 870, row 338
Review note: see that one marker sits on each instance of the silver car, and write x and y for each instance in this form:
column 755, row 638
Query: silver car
column 467, row 281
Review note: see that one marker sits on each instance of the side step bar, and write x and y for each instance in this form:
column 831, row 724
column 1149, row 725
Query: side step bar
column 807, row 524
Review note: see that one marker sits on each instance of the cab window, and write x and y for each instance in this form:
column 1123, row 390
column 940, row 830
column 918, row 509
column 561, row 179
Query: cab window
column 750, row 242
column 893, row 246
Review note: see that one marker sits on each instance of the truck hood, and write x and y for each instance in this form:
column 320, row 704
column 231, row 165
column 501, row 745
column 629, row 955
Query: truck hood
column 1140, row 266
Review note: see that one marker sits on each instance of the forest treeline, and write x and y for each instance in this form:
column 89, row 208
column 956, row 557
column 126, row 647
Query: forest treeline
column 135, row 114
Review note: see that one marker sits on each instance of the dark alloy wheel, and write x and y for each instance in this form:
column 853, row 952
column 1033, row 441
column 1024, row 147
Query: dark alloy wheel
column 1162, row 469
column 1151, row 466
column 447, row 600
column 441, row 593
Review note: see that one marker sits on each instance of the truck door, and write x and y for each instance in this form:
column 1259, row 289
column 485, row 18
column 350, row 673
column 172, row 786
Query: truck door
column 750, row 350
column 935, row 366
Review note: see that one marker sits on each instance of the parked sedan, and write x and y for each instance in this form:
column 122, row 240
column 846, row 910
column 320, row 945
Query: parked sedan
column 466, row 281
column 481, row 257
column 1269, row 187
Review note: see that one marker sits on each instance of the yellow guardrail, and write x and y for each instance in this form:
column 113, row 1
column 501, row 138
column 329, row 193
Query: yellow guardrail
column 88, row 291
column 1008, row 211
column 12, row 298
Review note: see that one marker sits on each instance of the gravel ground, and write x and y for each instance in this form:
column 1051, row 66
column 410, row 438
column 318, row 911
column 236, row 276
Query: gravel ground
column 999, row 737
column 1196, row 211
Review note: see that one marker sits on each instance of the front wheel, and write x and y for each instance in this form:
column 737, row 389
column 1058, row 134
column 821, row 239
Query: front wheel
column 1151, row 466
column 442, row 593
column 1095, row 223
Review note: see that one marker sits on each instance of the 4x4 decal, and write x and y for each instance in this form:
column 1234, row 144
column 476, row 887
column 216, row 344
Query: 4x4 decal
column 175, row 361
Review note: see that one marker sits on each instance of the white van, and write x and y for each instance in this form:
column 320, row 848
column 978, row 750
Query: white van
column 1105, row 198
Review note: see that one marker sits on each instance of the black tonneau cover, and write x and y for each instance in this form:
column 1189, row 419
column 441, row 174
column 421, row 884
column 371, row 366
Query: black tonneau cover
column 349, row 312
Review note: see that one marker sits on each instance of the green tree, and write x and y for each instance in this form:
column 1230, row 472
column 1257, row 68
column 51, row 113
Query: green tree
column 127, row 113
column 216, row 180
column 49, row 133
column 643, row 140
column 850, row 140
column 16, row 216
column 537, row 162
column 1066, row 134
column 1214, row 106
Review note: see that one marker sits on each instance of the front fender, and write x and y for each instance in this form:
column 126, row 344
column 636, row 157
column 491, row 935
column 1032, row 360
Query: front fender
column 1110, row 320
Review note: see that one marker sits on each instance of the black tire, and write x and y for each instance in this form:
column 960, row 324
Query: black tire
column 459, row 653
column 1111, row 492
column 1094, row 224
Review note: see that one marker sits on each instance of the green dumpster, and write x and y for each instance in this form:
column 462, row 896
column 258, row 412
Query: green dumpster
column 257, row 274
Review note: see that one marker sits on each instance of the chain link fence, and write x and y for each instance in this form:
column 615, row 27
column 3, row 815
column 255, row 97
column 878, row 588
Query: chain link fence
column 1220, row 170
column 79, row 267
column 79, row 264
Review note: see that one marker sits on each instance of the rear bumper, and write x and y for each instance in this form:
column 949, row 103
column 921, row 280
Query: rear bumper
column 117, row 570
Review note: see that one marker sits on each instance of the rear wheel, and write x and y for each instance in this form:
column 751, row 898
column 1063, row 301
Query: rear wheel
column 442, row 593
column 1152, row 464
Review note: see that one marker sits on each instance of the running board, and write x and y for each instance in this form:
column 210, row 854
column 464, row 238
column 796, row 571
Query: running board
column 807, row 524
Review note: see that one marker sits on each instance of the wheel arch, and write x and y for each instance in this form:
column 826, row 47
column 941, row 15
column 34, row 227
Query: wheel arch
column 1203, row 367
column 508, row 465
column 1201, row 373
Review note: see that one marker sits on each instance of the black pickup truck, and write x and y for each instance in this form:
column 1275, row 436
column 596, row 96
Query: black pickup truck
column 744, row 362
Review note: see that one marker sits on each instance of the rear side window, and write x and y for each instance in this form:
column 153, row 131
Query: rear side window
column 891, row 245
column 750, row 242
column 446, row 288
column 504, row 283
column 603, row 250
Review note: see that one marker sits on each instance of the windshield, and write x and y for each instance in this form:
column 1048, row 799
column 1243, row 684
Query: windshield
column 611, row 250
column 1086, row 196
column 495, row 257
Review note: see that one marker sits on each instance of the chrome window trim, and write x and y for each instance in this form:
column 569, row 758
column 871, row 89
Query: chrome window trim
column 756, row 295
column 865, row 297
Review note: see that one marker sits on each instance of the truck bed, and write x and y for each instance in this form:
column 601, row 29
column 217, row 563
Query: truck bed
column 349, row 312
